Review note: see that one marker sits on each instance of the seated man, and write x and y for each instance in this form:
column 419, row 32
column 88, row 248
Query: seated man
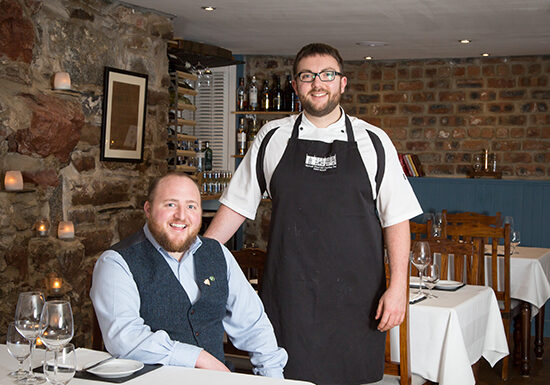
column 166, row 295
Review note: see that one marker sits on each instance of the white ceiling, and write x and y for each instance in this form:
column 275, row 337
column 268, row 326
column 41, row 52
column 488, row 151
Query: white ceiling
column 411, row 28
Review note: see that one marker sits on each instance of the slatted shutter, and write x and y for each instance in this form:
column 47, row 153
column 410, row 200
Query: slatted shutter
column 215, row 122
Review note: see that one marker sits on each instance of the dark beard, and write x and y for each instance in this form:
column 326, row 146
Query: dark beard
column 331, row 105
column 167, row 244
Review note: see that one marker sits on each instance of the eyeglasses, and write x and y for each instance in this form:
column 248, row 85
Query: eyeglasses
column 325, row 76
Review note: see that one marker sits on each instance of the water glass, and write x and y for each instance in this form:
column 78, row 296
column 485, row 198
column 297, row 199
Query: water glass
column 420, row 258
column 60, row 364
column 56, row 324
column 431, row 277
column 19, row 347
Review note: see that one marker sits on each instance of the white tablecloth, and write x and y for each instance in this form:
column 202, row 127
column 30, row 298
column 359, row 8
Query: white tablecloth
column 450, row 333
column 165, row 375
column 530, row 275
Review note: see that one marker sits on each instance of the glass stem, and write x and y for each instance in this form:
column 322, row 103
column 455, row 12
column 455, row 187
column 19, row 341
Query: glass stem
column 33, row 343
column 420, row 275
column 55, row 363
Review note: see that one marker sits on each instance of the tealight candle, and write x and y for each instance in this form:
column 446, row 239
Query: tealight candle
column 65, row 230
column 56, row 285
column 42, row 227
column 61, row 81
column 13, row 181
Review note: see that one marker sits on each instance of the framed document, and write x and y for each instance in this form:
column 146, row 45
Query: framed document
column 124, row 111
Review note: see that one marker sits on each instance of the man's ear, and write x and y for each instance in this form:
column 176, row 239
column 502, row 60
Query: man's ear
column 147, row 209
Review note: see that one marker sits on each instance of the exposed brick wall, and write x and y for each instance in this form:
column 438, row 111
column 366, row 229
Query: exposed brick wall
column 446, row 110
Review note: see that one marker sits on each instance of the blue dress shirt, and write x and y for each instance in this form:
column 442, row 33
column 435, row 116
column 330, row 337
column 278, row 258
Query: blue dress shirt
column 116, row 301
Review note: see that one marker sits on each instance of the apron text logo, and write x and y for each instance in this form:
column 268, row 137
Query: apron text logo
column 320, row 164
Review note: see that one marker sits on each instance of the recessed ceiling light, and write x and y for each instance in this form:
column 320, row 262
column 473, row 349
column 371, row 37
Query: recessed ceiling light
column 370, row 43
column 485, row 54
column 368, row 57
column 209, row 8
column 465, row 41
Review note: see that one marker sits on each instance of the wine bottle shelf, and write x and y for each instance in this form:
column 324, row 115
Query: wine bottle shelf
column 186, row 152
column 253, row 112
column 185, row 75
column 185, row 106
column 187, row 91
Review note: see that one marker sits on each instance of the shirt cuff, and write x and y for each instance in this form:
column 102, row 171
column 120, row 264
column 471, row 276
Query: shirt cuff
column 185, row 355
column 269, row 372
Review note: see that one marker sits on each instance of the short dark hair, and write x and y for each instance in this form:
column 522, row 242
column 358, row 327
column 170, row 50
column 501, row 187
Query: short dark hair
column 156, row 181
column 317, row 49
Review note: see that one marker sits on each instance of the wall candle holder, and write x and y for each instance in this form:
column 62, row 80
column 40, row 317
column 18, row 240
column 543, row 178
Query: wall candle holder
column 65, row 230
column 13, row 181
column 61, row 81
column 42, row 227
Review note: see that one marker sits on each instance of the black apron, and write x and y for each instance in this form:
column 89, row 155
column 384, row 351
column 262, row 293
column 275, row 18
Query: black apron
column 325, row 273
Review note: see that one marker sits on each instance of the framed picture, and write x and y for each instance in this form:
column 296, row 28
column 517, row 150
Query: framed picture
column 124, row 110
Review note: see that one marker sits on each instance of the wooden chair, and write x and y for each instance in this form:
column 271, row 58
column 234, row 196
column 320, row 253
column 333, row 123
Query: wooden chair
column 251, row 261
column 420, row 230
column 496, row 236
column 472, row 217
column 466, row 258
column 398, row 370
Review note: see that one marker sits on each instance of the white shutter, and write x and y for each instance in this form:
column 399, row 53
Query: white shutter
column 215, row 123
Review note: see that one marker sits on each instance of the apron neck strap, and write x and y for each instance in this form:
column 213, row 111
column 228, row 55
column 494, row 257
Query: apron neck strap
column 349, row 129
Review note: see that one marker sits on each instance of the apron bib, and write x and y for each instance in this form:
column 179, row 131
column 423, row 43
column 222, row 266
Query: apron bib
column 325, row 274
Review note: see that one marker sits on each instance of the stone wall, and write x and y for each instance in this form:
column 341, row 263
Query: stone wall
column 446, row 110
column 53, row 138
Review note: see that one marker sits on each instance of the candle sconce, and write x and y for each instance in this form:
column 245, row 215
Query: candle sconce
column 13, row 181
column 65, row 230
column 42, row 227
column 54, row 286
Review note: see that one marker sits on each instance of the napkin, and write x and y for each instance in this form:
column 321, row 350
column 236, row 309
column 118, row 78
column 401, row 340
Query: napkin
column 415, row 298
column 86, row 357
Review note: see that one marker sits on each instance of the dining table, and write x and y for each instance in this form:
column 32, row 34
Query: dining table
column 530, row 286
column 166, row 375
column 450, row 333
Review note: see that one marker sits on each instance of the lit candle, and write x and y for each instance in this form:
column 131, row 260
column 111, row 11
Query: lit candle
column 13, row 181
column 56, row 285
column 65, row 230
column 61, row 81
column 42, row 227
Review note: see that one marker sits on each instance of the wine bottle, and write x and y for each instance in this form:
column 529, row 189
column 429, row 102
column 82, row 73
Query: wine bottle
column 252, row 131
column 265, row 99
column 207, row 156
column 241, row 138
column 289, row 95
column 241, row 99
column 277, row 95
column 253, row 94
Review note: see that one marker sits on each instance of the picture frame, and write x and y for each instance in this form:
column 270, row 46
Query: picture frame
column 124, row 112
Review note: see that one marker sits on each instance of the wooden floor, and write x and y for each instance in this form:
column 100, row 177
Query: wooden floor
column 540, row 371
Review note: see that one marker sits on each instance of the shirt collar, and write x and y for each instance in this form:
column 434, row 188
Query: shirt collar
column 194, row 246
column 338, row 124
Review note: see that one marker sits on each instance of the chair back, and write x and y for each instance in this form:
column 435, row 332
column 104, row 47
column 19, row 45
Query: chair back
column 498, row 247
column 252, row 262
column 472, row 217
column 420, row 230
column 465, row 256
column 401, row 369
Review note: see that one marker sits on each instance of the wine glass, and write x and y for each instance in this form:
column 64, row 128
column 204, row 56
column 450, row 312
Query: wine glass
column 420, row 258
column 431, row 278
column 27, row 322
column 56, row 324
column 514, row 240
column 437, row 225
column 60, row 364
column 19, row 348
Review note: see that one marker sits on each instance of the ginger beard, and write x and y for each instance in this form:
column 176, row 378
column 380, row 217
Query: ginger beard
column 180, row 245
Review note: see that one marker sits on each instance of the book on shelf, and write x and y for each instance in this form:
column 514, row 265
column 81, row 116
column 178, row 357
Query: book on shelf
column 411, row 165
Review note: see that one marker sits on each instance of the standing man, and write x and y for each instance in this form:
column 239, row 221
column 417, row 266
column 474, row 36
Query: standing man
column 338, row 193
column 165, row 295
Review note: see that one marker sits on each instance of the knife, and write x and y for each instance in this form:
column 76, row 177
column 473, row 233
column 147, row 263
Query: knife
column 99, row 363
